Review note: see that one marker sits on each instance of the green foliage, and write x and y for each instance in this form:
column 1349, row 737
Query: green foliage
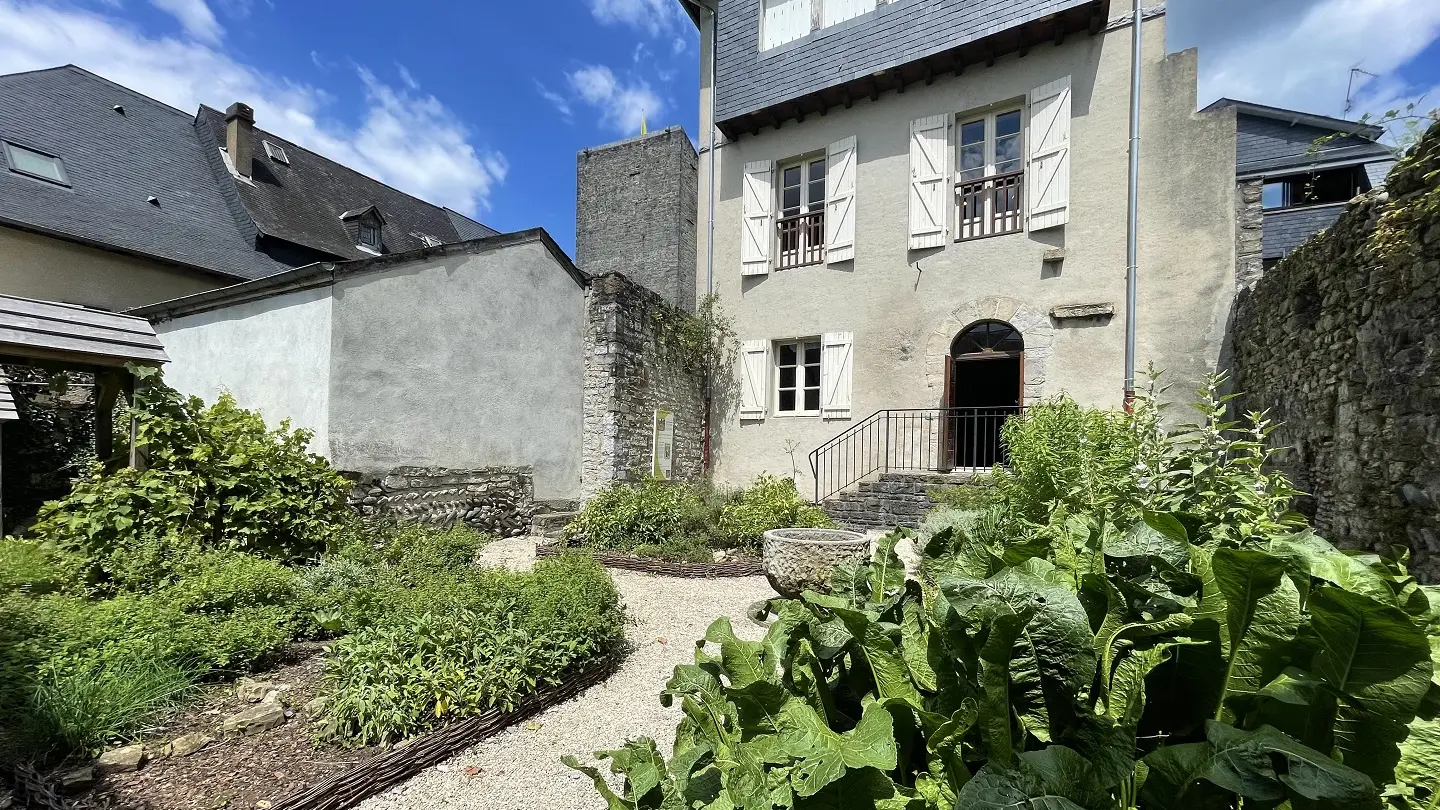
column 1136, row 623
column 216, row 478
column 511, row 635
column 82, row 709
column 677, row 520
column 36, row 568
column 769, row 503
column 978, row 494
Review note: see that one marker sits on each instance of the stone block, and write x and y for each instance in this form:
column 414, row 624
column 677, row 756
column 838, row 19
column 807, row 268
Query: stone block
column 120, row 760
column 254, row 720
column 186, row 744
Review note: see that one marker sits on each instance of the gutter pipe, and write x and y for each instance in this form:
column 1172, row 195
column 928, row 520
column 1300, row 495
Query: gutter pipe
column 1132, row 248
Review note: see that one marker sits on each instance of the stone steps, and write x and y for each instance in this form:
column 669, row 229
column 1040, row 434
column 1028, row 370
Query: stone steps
column 891, row 500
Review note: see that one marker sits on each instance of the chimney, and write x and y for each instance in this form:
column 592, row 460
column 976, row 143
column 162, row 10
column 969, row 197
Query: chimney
column 239, row 136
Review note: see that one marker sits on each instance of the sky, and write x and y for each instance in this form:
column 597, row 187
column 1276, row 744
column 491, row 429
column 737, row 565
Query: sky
column 482, row 106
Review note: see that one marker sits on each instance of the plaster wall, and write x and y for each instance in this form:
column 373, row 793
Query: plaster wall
column 272, row 354
column 36, row 266
column 904, row 307
column 461, row 361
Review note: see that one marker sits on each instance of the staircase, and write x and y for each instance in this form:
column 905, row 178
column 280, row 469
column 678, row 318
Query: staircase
column 892, row 499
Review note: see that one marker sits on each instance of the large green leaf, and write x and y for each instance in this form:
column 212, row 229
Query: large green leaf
column 1052, row 778
column 1417, row 774
column 1262, row 616
column 825, row 755
column 862, row 789
column 1263, row 765
column 612, row 801
column 744, row 662
column 1378, row 661
column 879, row 650
column 1053, row 659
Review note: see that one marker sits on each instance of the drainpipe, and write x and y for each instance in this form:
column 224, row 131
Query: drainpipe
column 1133, row 225
column 712, row 9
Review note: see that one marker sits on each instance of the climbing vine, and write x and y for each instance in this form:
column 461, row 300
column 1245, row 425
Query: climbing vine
column 1414, row 187
column 703, row 343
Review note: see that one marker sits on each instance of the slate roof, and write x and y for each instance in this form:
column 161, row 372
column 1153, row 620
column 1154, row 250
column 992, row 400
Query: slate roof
column 114, row 162
column 1273, row 141
column 303, row 201
column 205, row 218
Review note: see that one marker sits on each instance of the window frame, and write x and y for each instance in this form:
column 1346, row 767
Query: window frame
column 275, row 152
column 372, row 228
column 989, row 117
column 816, row 252
column 10, row 149
column 801, row 376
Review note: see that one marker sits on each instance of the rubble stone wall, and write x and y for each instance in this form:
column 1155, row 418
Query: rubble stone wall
column 1341, row 343
column 496, row 500
column 629, row 374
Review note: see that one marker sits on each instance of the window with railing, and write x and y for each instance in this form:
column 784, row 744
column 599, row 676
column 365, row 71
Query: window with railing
column 989, row 188
column 800, row 228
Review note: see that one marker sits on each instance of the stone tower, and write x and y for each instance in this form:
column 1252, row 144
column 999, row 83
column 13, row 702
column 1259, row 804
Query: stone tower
column 635, row 212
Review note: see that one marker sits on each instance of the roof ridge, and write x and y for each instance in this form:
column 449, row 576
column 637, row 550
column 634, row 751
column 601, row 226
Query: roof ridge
column 264, row 133
column 132, row 91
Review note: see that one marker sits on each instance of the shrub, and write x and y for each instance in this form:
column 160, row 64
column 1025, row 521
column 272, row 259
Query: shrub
column 1208, row 656
column 684, row 521
column 769, row 503
column 397, row 677
column 623, row 517
column 977, row 495
column 216, row 477
column 82, row 709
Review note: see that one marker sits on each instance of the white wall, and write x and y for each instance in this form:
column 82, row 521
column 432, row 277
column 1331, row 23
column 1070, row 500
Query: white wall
column 273, row 355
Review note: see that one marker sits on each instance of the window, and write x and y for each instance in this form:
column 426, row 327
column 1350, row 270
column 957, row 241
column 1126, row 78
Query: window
column 35, row 164
column 369, row 235
column 991, row 175
column 276, row 152
column 802, row 213
column 797, row 378
column 1315, row 188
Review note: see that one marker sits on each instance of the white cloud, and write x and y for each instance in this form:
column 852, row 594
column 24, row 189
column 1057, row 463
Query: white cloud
column 678, row 46
column 561, row 104
column 654, row 17
column 1298, row 53
column 407, row 78
column 197, row 18
column 622, row 104
column 320, row 62
column 405, row 138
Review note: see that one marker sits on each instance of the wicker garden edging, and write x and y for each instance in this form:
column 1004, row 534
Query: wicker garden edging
column 351, row 787
column 666, row 568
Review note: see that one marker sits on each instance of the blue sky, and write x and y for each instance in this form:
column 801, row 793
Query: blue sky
column 482, row 106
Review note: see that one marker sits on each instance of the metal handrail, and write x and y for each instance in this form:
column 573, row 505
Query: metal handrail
column 915, row 439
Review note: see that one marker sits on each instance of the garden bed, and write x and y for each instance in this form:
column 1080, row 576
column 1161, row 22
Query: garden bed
column 665, row 568
column 234, row 771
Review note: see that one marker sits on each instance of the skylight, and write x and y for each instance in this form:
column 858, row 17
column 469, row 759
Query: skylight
column 35, row 164
column 276, row 153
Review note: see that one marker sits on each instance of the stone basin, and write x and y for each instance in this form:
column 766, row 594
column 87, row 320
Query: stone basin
column 800, row 559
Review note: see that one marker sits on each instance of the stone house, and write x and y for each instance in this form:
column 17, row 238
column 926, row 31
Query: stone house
column 920, row 220
column 111, row 199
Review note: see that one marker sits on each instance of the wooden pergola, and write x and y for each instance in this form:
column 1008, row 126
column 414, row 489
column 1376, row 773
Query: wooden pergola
column 65, row 337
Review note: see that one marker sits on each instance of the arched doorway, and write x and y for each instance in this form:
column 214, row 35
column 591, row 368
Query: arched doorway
column 985, row 386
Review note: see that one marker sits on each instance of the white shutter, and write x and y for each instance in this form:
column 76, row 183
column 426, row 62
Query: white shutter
column 755, row 359
column 758, row 231
column 840, row 201
column 835, row 364
column 785, row 21
column 1049, row 139
column 838, row 11
column 929, row 177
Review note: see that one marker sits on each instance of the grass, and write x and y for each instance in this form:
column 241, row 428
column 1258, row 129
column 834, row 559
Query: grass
column 84, row 708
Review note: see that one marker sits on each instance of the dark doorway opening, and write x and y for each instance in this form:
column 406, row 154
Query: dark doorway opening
column 986, row 371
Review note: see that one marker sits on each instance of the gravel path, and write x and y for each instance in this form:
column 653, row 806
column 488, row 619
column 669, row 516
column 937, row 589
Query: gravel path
column 519, row 769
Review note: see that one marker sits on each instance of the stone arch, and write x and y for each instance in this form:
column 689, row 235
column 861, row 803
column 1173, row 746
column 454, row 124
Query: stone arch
column 1035, row 327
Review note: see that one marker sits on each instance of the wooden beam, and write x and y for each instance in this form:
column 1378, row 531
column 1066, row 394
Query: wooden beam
column 845, row 89
column 107, row 390
column 1059, row 33
column 1097, row 22
column 929, row 73
column 959, row 63
column 1024, row 48
column 990, row 54
column 874, row 89
column 799, row 113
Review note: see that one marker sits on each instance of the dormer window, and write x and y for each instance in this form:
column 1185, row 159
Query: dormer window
column 367, row 227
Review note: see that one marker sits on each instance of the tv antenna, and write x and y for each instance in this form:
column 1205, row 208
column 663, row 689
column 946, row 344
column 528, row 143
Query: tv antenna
column 1350, row 89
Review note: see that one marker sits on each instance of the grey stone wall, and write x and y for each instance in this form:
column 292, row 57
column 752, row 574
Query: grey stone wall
column 1342, row 344
column 635, row 212
column 1249, row 232
column 496, row 500
column 629, row 373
